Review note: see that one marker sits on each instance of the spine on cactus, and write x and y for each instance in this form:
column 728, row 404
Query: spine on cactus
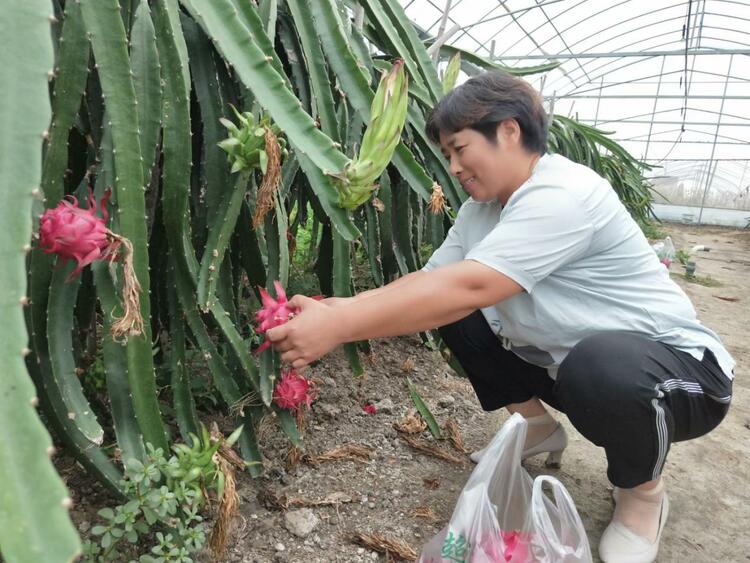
column 34, row 521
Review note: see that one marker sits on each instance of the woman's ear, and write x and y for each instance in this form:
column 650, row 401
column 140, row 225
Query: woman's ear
column 509, row 132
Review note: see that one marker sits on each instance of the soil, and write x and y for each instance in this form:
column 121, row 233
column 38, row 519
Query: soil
column 707, row 478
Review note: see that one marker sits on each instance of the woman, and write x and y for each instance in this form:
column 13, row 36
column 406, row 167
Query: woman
column 547, row 291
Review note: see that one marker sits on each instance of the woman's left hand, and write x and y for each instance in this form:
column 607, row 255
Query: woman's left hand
column 313, row 332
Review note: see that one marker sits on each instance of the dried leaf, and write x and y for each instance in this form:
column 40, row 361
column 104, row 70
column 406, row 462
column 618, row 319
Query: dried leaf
column 437, row 199
column 411, row 424
column 425, row 512
column 353, row 452
column 331, row 499
column 431, row 484
column 454, row 435
column 394, row 547
column 428, row 448
column 228, row 509
column 271, row 179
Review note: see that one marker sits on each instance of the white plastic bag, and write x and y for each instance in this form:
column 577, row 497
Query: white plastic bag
column 502, row 516
column 665, row 250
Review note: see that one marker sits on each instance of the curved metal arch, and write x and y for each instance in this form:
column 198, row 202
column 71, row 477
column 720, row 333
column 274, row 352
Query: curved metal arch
column 637, row 138
column 652, row 24
column 600, row 88
column 572, row 26
column 637, row 61
column 593, row 61
column 540, row 26
column 463, row 31
column 651, row 114
column 620, row 23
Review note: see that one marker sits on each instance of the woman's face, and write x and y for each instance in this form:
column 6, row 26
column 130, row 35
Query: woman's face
column 487, row 171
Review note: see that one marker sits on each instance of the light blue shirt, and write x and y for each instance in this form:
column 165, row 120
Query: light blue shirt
column 585, row 266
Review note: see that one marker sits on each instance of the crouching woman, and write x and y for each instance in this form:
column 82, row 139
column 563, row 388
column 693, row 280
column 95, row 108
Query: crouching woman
column 548, row 293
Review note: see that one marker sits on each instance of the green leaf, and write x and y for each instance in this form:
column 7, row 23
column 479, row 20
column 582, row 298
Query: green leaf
column 486, row 64
column 423, row 410
column 107, row 513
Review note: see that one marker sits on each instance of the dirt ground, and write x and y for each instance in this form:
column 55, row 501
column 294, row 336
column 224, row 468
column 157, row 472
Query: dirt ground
column 707, row 478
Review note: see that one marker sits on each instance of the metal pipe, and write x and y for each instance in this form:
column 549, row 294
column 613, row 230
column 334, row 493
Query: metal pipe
column 653, row 112
column 716, row 135
column 646, row 97
column 604, row 122
column 441, row 30
column 627, row 54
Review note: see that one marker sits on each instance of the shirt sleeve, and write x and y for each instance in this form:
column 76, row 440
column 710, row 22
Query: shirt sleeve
column 544, row 230
column 453, row 249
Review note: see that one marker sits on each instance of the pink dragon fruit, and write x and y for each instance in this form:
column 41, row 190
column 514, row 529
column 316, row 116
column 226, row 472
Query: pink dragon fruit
column 79, row 234
column 74, row 233
column 293, row 390
column 511, row 547
column 274, row 312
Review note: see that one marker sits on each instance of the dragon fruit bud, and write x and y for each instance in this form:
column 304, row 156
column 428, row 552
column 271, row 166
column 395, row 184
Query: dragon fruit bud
column 75, row 233
column 293, row 390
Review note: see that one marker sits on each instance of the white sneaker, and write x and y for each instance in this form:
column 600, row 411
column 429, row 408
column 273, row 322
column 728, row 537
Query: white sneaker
column 619, row 544
column 554, row 444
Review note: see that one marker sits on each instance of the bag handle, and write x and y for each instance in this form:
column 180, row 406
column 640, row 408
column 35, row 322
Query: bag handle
column 563, row 503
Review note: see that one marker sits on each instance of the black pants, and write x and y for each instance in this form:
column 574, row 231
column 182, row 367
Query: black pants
column 629, row 394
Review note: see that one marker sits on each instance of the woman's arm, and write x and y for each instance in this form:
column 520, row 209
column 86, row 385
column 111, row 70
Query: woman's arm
column 420, row 302
column 339, row 301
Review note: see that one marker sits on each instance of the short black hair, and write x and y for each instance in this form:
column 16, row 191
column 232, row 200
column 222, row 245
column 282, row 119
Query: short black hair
column 484, row 101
